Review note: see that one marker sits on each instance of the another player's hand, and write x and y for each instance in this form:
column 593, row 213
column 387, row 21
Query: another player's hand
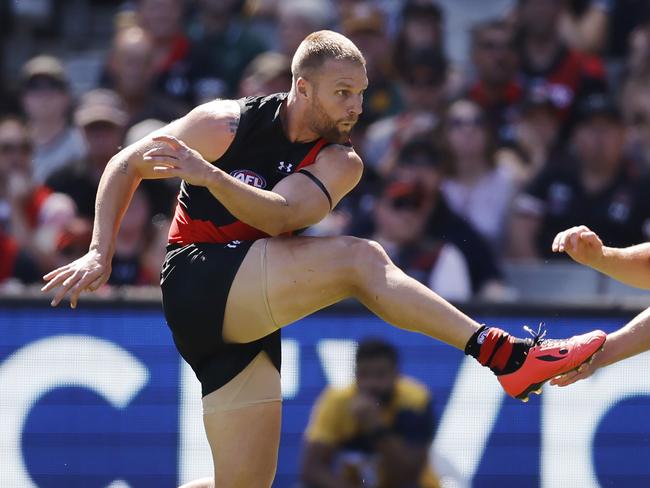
column 173, row 158
column 583, row 372
column 581, row 243
column 89, row 272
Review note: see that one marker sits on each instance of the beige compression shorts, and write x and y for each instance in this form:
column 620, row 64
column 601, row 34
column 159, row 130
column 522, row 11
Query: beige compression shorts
column 259, row 382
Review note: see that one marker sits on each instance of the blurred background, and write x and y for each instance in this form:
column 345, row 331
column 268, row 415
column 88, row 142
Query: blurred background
column 488, row 126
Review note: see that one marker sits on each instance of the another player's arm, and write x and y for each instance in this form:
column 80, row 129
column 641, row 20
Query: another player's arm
column 210, row 128
column 630, row 265
column 295, row 202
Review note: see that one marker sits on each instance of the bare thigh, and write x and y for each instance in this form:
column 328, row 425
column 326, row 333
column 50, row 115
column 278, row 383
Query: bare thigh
column 283, row 279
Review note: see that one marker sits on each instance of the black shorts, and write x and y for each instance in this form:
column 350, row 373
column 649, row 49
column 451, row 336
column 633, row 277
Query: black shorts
column 195, row 282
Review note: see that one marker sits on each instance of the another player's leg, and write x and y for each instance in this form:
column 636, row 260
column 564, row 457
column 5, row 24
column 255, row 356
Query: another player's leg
column 284, row 279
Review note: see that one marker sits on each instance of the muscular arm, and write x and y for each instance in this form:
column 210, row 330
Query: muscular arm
column 210, row 127
column 294, row 203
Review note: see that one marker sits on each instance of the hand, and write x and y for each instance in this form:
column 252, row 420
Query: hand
column 367, row 411
column 175, row 159
column 584, row 371
column 581, row 243
column 89, row 272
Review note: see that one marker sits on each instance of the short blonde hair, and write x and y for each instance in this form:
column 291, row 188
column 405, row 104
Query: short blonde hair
column 320, row 46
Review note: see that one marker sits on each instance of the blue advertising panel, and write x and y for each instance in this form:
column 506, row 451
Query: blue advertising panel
column 98, row 397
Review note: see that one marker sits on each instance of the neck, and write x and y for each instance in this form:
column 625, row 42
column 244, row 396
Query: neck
column 293, row 121
column 470, row 170
column 541, row 49
column 597, row 177
column 44, row 131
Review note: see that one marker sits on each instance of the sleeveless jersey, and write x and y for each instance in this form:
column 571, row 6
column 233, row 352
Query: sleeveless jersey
column 260, row 155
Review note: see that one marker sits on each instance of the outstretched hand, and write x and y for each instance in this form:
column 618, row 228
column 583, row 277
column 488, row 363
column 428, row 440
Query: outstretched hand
column 173, row 158
column 89, row 272
column 584, row 371
column 581, row 243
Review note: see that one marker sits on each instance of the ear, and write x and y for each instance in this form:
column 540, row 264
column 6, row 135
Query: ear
column 303, row 88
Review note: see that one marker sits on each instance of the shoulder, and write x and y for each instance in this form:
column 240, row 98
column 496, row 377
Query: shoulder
column 215, row 114
column 337, row 396
column 412, row 395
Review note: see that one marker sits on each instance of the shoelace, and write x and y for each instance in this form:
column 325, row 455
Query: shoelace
column 539, row 336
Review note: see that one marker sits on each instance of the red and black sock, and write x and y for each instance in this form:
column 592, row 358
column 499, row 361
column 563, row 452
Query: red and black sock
column 497, row 349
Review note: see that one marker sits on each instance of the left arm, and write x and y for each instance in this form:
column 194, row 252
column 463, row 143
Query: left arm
column 294, row 203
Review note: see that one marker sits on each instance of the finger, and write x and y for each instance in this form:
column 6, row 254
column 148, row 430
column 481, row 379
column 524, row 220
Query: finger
column 57, row 280
column 54, row 272
column 62, row 292
column 558, row 380
column 590, row 238
column 166, row 171
column 171, row 140
column 99, row 281
column 80, row 286
column 161, row 151
column 556, row 246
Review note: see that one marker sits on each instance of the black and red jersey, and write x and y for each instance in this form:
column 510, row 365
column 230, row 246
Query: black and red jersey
column 260, row 155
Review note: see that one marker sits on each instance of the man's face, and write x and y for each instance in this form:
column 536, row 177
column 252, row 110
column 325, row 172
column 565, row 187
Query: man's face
column 103, row 140
column 494, row 56
column 376, row 377
column 336, row 99
column 45, row 98
column 540, row 17
column 15, row 147
column 161, row 18
column 599, row 142
column 132, row 67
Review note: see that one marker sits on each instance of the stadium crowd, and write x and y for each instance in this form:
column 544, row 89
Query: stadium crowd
column 469, row 163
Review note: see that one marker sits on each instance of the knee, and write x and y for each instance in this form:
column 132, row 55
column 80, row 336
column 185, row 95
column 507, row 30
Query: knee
column 365, row 259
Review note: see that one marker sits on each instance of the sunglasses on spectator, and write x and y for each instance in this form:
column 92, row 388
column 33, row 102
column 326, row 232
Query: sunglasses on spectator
column 458, row 122
column 44, row 83
column 15, row 147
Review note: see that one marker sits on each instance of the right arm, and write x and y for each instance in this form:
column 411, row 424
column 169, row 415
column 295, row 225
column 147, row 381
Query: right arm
column 630, row 265
column 209, row 128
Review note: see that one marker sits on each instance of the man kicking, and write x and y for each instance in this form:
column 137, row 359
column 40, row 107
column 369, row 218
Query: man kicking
column 255, row 171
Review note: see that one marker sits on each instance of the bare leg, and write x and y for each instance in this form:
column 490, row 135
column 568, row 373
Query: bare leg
column 301, row 275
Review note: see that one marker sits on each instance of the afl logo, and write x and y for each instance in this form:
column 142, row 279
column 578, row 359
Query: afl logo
column 249, row 177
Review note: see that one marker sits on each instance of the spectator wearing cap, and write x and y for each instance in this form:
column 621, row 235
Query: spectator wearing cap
column 131, row 72
column 599, row 189
column 422, row 83
column 296, row 19
column 102, row 118
column 496, row 88
column 548, row 65
column 46, row 102
column 222, row 45
column 269, row 72
column 365, row 24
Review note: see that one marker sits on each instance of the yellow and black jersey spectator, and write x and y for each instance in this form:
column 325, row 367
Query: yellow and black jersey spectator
column 374, row 433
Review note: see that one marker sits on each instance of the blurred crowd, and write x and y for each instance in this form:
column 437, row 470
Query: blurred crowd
column 470, row 164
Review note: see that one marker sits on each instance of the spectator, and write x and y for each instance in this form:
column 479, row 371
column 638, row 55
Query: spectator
column 20, row 202
column 419, row 162
column 598, row 189
column 102, row 119
column 269, row 72
column 423, row 88
column 131, row 73
column 548, row 65
column 375, row 432
column 477, row 188
column 401, row 215
column 496, row 88
column 46, row 101
column 421, row 28
column 162, row 21
column 222, row 47
column 364, row 23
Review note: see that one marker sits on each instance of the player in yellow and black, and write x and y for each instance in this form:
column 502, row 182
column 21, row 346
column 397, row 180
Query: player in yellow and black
column 375, row 433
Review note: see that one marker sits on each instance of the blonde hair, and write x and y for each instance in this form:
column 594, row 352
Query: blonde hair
column 320, row 46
